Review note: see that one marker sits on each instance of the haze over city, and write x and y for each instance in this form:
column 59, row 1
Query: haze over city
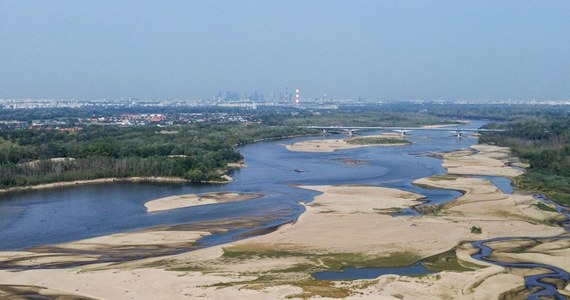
column 378, row 50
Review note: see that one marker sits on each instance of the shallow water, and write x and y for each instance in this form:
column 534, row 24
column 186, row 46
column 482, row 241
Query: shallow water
column 502, row 183
column 371, row 273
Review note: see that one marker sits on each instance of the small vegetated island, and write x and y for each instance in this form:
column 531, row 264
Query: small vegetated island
column 330, row 145
column 378, row 140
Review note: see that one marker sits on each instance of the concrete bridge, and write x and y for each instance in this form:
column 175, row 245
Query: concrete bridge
column 403, row 130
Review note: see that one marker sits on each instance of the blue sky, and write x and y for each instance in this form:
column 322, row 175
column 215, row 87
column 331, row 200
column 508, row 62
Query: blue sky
column 381, row 50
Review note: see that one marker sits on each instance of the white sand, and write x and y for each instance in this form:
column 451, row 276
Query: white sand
column 490, row 160
column 96, row 181
column 181, row 201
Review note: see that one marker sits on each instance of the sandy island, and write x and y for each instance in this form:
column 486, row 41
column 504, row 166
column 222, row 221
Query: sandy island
column 487, row 160
column 181, row 201
column 344, row 226
column 342, row 144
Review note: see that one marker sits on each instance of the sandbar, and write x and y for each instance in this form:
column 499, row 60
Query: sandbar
column 331, row 145
column 482, row 160
column 189, row 200
column 97, row 181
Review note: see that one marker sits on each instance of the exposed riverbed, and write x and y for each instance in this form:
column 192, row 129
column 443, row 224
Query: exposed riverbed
column 45, row 217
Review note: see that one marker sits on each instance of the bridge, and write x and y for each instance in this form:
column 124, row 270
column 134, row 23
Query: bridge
column 403, row 130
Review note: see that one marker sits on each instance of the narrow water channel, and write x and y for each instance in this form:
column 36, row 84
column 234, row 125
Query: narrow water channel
column 540, row 286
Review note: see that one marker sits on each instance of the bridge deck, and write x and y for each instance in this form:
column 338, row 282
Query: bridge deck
column 404, row 128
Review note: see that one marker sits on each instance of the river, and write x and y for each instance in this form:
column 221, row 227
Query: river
column 40, row 217
column 43, row 217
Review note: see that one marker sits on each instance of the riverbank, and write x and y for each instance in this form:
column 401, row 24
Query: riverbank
column 348, row 225
column 482, row 160
column 96, row 181
column 331, row 145
column 225, row 178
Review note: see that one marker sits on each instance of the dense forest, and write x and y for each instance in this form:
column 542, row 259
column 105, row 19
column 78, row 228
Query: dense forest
column 545, row 144
column 198, row 152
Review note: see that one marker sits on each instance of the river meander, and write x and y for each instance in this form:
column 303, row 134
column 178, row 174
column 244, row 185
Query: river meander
column 40, row 217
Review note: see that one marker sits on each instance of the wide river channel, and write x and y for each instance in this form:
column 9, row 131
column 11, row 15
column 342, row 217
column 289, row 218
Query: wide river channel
column 40, row 217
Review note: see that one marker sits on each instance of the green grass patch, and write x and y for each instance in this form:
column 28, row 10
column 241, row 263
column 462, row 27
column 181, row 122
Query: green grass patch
column 545, row 207
column 189, row 268
column 555, row 187
column 321, row 288
column 476, row 230
column 328, row 261
column 387, row 211
column 444, row 177
column 377, row 141
column 432, row 210
column 311, row 287
column 448, row 261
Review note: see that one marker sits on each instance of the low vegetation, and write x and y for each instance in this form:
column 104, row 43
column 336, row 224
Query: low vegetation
column 545, row 207
column 326, row 261
column 447, row 261
column 476, row 230
column 377, row 141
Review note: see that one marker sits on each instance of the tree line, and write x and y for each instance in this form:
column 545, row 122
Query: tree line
column 197, row 152
column 545, row 144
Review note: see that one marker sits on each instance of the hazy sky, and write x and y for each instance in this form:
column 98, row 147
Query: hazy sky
column 401, row 49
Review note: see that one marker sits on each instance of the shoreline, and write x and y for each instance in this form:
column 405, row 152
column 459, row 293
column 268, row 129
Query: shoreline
column 191, row 200
column 95, row 181
column 333, row 145
column 148, row 179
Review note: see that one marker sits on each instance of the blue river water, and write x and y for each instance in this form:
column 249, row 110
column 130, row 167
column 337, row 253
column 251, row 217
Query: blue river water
column 371, row 273
column 40, row 217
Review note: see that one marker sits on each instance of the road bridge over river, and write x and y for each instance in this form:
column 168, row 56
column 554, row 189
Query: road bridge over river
column 403, row 130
